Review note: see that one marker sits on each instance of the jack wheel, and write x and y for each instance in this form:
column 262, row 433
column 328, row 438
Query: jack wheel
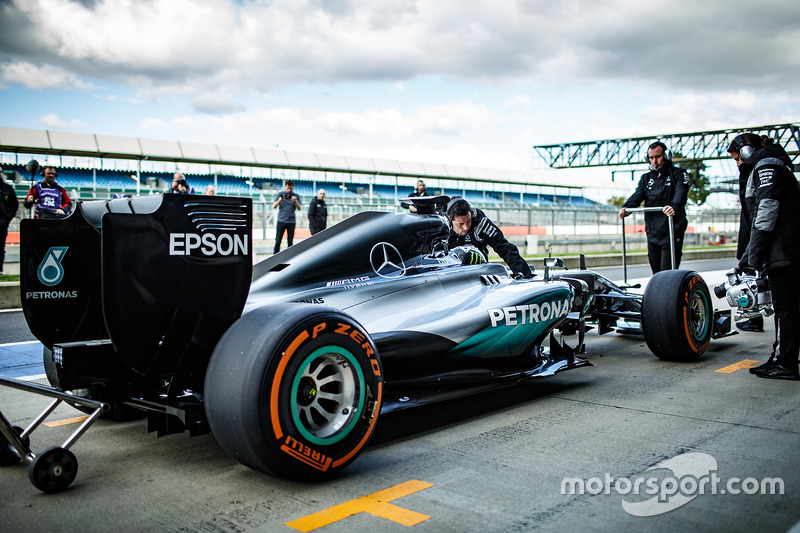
column 53, row 470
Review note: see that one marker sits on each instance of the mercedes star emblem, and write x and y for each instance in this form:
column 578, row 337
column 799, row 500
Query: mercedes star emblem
column 386, row 261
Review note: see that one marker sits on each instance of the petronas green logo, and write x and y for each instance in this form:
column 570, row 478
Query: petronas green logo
column 50, row 271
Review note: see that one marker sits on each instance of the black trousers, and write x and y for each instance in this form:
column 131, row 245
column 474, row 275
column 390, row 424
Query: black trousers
column 287, row 227
column 3, row 236
column 783, row 283
column 658, row 254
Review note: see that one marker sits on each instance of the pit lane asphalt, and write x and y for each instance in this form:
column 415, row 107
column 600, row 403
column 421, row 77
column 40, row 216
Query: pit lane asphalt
column 490, row 462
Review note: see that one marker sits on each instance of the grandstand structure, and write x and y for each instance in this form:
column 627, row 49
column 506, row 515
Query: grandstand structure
column 99, row 166
column 543, row 209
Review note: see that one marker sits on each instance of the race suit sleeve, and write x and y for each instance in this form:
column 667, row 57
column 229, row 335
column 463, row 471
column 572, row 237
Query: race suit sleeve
column 765, row 216
column 488, row 232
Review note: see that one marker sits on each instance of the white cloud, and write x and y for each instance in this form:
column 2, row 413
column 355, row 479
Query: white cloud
column 449, row 119
column 466, row 154
column 215, row 104
column 520, row 101
column 695, row 111
column 387, row 133
column 39, row 76
column 462, row 81
column 234, row 47
column 390, row 123
column 53, row 122
column 117, row 98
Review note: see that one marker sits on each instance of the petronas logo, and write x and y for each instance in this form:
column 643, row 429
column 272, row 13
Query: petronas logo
column 50, row 271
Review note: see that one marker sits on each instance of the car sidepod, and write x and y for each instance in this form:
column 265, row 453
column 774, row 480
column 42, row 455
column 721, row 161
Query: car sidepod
column 517, row 328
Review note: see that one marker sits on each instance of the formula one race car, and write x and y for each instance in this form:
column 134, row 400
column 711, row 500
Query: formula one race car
column 151, row 305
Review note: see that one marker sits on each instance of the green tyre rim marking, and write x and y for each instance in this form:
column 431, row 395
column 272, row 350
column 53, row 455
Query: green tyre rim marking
column 327, row 395
column 698, row 315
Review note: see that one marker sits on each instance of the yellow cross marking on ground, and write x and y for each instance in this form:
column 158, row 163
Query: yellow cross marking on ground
column 747, row 363
column 375, row 504
column 66, row 421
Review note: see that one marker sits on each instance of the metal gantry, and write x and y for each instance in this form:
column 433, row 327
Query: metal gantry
column 702, row 145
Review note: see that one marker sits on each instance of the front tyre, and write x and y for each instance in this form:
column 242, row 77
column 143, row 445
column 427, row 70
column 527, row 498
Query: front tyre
column 295, row 391
column 677, row 315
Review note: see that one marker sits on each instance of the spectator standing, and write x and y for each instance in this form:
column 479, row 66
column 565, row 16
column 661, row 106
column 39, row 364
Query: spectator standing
column 420, row 190
column 772, row 195
column 286, row 202
column 180, row 185
column 8, row 209
column 318, row 213
column 48, row 198
column 664, row 186
column 210, row 191
column 470, row 226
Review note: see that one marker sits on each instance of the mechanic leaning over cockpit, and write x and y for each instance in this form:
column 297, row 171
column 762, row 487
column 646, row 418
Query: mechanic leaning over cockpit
column 470, row 226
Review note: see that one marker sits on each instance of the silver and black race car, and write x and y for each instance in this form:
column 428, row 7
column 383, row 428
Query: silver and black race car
column 151, row 305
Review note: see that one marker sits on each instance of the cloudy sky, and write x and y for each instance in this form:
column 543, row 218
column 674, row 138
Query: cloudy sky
column 473, row 82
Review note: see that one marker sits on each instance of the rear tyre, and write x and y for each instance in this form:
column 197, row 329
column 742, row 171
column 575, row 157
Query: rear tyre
column 294, row 392
column 677, row 315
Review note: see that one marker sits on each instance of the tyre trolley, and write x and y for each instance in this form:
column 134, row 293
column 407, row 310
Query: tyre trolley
column 55, row 468
column 624, row 246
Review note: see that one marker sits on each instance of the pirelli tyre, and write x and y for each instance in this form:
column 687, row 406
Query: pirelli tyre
column 677, row 315
column 294, row 391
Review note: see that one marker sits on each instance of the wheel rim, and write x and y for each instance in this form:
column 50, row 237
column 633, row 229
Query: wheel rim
column 327, row 395
column 53, row 470
column 698, row 315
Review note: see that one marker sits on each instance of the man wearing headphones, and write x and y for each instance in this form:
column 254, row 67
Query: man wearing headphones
column 49, row 198
column 470, row 225
column 770, row 204
column 754, row 324
column 664, row 186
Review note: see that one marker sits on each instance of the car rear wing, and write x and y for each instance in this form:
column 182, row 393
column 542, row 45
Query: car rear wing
column 161, row 276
